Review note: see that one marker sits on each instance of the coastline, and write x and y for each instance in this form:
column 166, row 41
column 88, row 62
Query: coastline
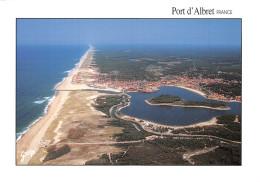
column 36, row 120
column 204, row 95
column 33, row 138
column 70, row 72
column 30, row 141
column 207, row 107
column 66, row 83
column 146, row 123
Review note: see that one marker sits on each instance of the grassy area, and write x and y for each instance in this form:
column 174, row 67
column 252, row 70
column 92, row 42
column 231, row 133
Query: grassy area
column 166, row 150
column 151, row 62
column 129, row 132
column 224, row 155
column 142, row 154
column 109, row 60
column 54, row 152
column 103, row 160
column 137, row 63
column 227, row 128
column 104, row 103
column 76, row 133
column 74, row 106
column 232, row 89
column 185, row 144
column 133, row 61
column 226, row 119
column 220, row 131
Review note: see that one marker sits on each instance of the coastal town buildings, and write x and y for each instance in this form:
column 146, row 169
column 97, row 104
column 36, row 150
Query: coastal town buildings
column 108, row 80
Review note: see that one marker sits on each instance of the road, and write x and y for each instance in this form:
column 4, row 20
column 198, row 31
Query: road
column 102, row 143
column 124, row 102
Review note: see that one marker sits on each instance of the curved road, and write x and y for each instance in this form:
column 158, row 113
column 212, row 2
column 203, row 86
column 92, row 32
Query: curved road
column 123, row 103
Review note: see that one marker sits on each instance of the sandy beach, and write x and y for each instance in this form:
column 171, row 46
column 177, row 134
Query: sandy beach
column 67, row 83
column 193, row 90
column 32, row 140
column 71, row 111
column 213, row 121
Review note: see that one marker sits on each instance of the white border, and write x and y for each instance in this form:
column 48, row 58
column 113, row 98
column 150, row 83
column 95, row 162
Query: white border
column 12, row 9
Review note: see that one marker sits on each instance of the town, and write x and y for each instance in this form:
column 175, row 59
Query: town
column 199, row 84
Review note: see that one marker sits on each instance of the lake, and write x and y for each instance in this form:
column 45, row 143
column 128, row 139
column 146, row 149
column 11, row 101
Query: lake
column 174, row 116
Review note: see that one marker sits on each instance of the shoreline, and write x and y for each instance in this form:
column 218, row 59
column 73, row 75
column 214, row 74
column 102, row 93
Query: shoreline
column 36, row 120
column 30, row 141
column 67, row 81
column 207, row 107
column 54, row 96
column 32, row 138
column 203, row 94
column 145, row 123
column 193, row 90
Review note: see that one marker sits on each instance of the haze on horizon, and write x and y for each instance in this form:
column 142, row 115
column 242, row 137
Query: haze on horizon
column 129, row 31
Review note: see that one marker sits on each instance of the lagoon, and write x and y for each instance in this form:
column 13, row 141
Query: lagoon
column 174, row 116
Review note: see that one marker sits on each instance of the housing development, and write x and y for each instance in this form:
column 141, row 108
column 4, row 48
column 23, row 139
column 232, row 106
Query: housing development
column 105, row 80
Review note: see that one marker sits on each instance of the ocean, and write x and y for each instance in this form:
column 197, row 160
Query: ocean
column 39, row 69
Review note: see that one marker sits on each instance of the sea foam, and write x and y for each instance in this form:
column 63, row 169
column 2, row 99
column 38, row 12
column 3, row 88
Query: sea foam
column 68, row 72
column 41, row 101
column 49, row 100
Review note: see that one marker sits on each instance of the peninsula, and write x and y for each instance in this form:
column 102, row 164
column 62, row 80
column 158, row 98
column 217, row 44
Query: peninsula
column 170, row 100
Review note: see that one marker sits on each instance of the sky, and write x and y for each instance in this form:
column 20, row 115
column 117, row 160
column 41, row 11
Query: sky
column 129, row 31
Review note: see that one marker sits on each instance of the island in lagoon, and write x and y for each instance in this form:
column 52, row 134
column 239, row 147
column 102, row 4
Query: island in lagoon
column 170, row 100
